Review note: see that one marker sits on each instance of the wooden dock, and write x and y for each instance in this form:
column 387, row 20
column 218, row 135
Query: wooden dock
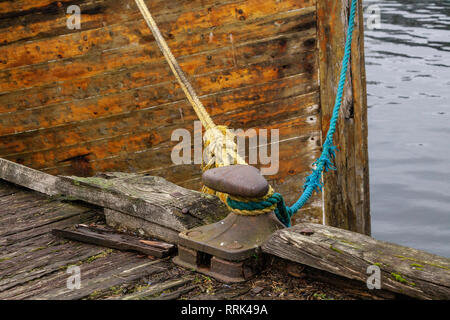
column 86, row 118
column 34, row 261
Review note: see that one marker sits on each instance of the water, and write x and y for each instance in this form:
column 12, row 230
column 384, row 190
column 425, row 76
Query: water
column 408, row 84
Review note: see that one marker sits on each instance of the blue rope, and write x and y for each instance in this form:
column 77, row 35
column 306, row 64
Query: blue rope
column 323, row 163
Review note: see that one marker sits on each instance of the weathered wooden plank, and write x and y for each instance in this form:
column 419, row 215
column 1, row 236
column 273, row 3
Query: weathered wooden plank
column 42, row 213
column 101, row 61
column 25, row 246
column 99, row 273
column 42, row 265
column 299, row 110
column 362, row 188
column 108, row 231
column 403, row 270
column 149, row 198
column 41, row 5
column 33, row 262
column 111, row 240
column 118, row 275
column 20, row 5
column 291, row 120
column 27, row 177
column 142, row 74
column 7, row 188
column 290, row 163
column 157, row 288
column 26, row 233
column 38, row 238
column 122, row 221
column 175, row 294
column 346, row 198
column 283, row 65
column 38, row 24
column 28, row 252
column 212, row 82
column 293, row 165
column 109, row 12
column 18, row 203
column 158, row 244
column 288, row 117
column 117, row 36
column 86, row 256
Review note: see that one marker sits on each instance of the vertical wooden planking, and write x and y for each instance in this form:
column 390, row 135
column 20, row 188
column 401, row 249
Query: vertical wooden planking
column 346, row 191
column 361, row 129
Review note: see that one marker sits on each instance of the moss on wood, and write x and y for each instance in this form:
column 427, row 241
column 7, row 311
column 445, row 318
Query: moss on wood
column 398, row 277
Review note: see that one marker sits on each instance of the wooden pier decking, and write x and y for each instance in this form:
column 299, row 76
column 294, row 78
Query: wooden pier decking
column 33, row 262
column 320, row 263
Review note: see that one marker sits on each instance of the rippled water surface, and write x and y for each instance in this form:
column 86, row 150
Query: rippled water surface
column 408, row 84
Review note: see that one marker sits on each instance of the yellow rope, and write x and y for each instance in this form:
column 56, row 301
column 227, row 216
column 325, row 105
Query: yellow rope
column 213, row 133
column 219, row 142
column 184, row 83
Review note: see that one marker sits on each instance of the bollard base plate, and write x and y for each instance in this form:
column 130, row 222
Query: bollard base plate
column 227, row 250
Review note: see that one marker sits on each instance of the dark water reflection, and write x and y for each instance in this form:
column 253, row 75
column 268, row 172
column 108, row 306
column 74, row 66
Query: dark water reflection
column 408, row 83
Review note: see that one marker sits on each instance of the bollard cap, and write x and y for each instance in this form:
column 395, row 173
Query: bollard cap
column 237, row 180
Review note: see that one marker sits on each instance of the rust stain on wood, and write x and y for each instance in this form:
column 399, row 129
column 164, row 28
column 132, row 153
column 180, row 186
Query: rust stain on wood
column 103, row 99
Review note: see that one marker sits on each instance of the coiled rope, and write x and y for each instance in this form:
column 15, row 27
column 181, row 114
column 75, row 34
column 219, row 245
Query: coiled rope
column 221, row 146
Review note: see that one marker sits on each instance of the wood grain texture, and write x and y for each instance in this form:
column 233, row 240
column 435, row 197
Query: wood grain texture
column 77, row 102
column 152, row 199
column 114, row 240
column 27, row 177
column 346, row 191
column 403, row 270
column 34, row 263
